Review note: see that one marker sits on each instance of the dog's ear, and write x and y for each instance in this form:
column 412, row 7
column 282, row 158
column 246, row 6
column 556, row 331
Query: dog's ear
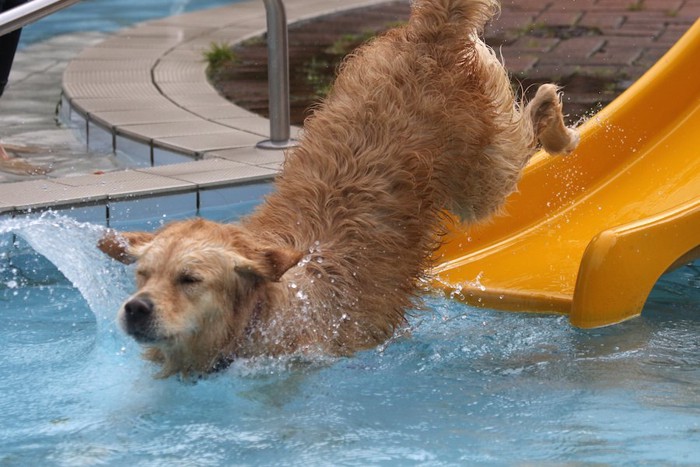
column 270, row 264
column 124, row 246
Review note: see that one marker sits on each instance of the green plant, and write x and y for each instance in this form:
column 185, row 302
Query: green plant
column 218, row 55
column 318, row 76
column 349, row 42
column 637, row 5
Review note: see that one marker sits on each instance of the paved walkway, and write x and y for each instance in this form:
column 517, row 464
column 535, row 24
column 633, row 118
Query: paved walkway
column 143, row 94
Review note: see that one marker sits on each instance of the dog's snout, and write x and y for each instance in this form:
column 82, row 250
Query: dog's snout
column 138, row 309
column 138, row 318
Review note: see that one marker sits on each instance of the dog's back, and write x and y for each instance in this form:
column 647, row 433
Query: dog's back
column 419, row 120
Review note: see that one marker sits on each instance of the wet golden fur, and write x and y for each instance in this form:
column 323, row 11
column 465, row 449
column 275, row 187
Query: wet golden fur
column 420, row 120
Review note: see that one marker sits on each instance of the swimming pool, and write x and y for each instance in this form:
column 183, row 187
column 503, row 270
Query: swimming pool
column 469, row 386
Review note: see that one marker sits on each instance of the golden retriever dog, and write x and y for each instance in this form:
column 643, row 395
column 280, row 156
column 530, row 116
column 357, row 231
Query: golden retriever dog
column 419, row 121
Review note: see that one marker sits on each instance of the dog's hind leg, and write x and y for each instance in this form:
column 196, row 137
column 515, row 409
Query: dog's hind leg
column 480, row 189
column 548, row 121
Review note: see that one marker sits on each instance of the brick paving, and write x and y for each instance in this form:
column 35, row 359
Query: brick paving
column 624, row 35
column 594, row 48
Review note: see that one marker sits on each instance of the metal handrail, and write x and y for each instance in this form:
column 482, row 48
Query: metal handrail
column 278, row 77
column 29, row 12
column 277, row 62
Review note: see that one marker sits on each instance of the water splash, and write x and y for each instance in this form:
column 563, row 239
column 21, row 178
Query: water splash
column 71, row 247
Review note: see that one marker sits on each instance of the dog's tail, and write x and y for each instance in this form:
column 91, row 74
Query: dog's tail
column 437, row 20
column 545, row 112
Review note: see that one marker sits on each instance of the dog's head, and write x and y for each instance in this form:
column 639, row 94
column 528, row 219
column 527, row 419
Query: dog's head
column 199, row 284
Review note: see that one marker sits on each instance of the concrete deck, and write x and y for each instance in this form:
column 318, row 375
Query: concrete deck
column 143, row 92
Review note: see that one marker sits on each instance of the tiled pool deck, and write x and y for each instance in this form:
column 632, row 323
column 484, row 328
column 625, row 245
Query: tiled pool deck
column 143, row 91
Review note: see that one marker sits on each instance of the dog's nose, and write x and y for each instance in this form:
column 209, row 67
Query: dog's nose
column 138, row 309
column 138, row 318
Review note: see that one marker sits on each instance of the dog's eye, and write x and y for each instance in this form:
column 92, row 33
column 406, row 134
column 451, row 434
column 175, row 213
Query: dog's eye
column 187, row 279
column 142, row 274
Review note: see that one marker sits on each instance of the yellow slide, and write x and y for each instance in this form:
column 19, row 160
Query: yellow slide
column 589, row 234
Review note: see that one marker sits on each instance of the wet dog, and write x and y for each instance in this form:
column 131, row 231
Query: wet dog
column 419, row 121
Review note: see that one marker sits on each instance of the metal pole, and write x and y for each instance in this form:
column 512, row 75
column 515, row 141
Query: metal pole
column 278, row 77
column 29, row 12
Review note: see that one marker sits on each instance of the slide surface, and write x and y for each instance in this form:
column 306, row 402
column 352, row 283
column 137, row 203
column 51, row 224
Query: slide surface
column 590, row 233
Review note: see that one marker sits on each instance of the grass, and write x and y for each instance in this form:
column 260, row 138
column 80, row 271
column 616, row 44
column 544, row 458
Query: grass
column 218, row 56
column 637, row 5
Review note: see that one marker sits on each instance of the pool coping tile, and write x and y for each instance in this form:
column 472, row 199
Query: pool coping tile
column 254, row 156
column 46, row 194
column 104, row 64
column 128, row 183
column 95, row 105
column 214, row 172
column 164, row 115
column 223, row 111
column 187, row 126
column 200, row 143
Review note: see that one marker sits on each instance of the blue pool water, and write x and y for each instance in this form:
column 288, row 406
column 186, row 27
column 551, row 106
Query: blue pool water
column 109, row 15
column 470, row 386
